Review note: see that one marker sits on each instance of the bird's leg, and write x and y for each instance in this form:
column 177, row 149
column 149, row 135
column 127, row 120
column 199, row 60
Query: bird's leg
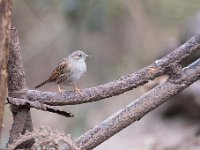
column 77, row 90
column 61, row 91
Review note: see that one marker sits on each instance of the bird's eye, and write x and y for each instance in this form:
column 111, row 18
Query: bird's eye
column 79, row 55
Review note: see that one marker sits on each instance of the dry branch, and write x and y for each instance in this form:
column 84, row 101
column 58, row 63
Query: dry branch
column 17, row 82
column 39, row 106
column 119, row 86
column 138, row 108
column 5, row 22
column 179, row 79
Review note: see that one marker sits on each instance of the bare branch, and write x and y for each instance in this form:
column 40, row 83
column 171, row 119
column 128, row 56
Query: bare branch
column 179, row 79
column 138, row 108
column 119, row 86
column 16, row 82
column 39, row 106
column 5, row 22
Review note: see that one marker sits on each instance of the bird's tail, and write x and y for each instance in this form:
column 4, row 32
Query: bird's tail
column 41, row 84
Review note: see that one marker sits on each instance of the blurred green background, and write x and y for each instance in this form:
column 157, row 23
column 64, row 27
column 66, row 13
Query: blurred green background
column 121, row 35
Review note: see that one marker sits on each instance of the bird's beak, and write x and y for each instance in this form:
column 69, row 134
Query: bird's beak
column 88, row 55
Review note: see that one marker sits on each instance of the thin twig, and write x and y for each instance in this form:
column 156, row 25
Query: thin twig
column 39, row 106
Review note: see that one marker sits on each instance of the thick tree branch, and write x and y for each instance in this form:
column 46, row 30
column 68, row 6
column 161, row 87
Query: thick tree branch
column 138, row 108
column 16, row 82
column 5, row 22
column 119, row 86
column 179, row 79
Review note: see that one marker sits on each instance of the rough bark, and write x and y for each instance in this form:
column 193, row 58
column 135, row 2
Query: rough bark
column 119, row 86
column 179, row 79
column 139, row 108
column 16, row 82
column 5, row 21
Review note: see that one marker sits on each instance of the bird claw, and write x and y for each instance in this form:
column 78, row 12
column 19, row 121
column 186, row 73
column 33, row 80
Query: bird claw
column 61, row 91
column 77, row 90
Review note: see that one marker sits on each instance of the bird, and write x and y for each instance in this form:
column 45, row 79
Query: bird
column 69, row 71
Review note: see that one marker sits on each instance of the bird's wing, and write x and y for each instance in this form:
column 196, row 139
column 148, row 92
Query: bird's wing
column 61, row 78
column 61, row 68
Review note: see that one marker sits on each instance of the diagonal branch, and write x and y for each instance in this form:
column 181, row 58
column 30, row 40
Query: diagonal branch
column 119, row 86
column 138, row 108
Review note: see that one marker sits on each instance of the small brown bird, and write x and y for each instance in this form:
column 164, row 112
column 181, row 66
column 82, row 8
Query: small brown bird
column 68, row 71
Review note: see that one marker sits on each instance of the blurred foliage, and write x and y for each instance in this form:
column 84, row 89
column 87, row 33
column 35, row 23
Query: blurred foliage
column 171, row 12
column 90, row 14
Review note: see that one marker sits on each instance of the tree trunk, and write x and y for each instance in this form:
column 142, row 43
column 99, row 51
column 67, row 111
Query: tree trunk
column 5, row 23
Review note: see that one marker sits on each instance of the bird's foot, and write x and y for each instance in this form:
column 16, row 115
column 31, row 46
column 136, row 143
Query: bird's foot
column 77, row 90
column 61, row 91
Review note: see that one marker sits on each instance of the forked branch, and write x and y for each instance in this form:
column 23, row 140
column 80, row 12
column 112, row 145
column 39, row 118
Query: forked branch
column 138, row 108
column 119, row 86
column 178, row 80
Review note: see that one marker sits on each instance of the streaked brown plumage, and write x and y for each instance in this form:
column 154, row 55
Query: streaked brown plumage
column 68, row 71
